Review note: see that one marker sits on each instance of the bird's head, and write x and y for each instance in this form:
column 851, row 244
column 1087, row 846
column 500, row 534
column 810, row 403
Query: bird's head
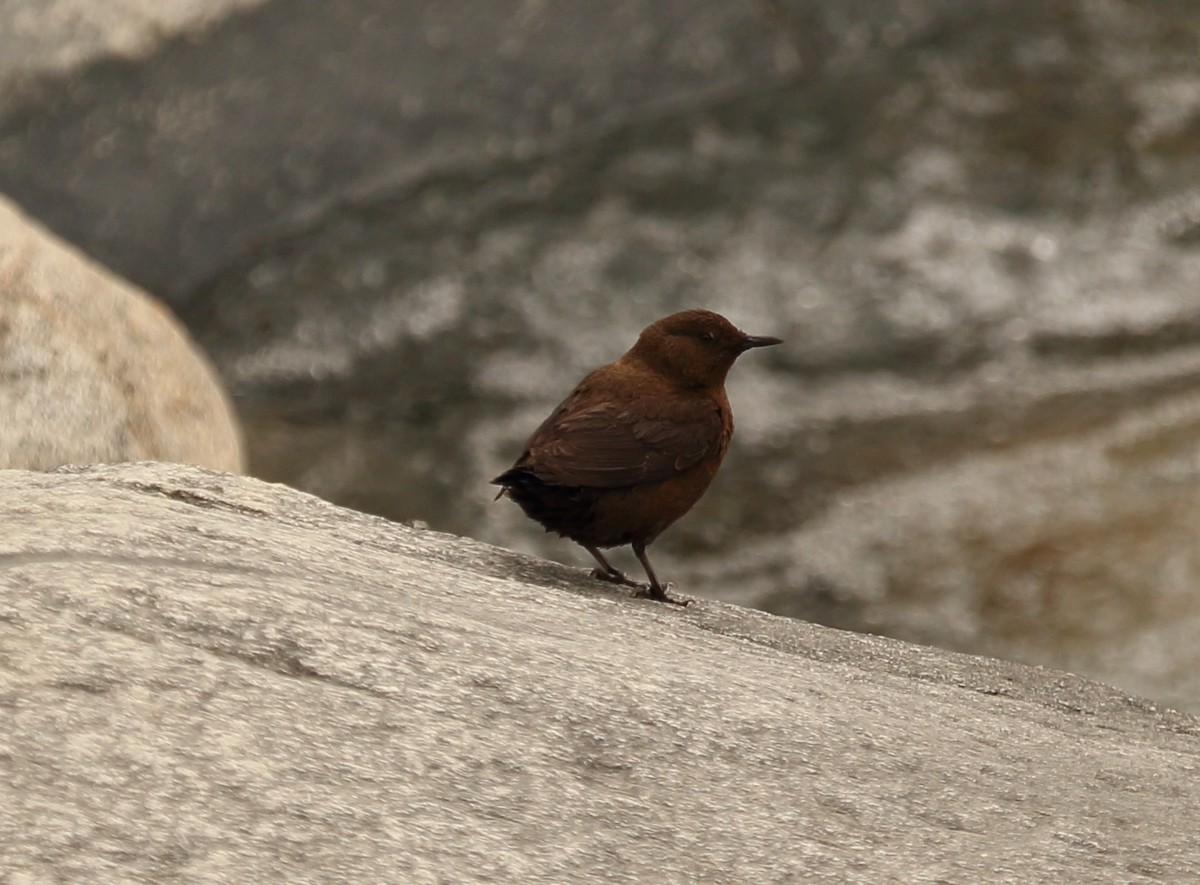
column 694, row 348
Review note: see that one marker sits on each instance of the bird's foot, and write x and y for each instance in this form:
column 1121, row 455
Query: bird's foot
column 660, row 594
column 616, row 577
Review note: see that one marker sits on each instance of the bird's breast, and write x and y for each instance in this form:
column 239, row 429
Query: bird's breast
column 641, row 513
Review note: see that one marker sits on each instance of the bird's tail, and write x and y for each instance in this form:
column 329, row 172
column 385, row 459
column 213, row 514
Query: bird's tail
column 504, row 480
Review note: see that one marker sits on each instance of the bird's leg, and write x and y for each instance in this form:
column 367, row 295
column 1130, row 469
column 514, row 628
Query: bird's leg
column 606, row 572
column 655, row 590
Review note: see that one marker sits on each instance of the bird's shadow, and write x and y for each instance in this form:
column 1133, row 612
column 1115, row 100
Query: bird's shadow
column 556, row 576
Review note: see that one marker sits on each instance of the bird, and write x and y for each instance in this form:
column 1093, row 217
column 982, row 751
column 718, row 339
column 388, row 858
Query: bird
column 635, row 445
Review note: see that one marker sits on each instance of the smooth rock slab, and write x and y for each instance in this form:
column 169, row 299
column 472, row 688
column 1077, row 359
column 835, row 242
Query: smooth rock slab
column 207, row 678
column 94, row 370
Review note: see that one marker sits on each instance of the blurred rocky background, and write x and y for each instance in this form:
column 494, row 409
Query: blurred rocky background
column 402, row 231
column 93, row 370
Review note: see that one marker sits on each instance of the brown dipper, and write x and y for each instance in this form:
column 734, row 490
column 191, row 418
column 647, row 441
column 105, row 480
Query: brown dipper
column 636, row 443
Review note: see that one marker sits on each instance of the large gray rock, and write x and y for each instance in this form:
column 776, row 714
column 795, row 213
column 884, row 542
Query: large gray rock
column 94, row 370
column 206, row 678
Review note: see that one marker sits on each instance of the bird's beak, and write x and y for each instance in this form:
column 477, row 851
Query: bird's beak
column 759, row 341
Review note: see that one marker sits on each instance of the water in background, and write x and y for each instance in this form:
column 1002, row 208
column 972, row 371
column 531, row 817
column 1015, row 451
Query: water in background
column 982, row 249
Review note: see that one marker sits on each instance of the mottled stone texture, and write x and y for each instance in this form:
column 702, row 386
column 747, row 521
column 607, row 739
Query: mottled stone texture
column 94, row 370
column 207, row 678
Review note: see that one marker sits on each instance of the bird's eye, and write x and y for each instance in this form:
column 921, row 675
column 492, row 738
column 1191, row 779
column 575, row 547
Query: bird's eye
column 709, row 336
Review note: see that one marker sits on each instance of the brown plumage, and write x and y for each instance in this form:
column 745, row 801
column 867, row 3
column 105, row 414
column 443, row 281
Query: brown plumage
column 636, row 443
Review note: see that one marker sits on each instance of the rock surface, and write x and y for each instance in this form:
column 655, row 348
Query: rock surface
column 207, row 678
column 93, row 370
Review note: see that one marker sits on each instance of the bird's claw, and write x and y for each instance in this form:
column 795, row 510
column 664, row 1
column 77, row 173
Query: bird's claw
column 643, row 591
column 660, row 594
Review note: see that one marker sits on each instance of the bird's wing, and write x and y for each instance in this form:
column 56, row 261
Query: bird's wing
column 609, row 446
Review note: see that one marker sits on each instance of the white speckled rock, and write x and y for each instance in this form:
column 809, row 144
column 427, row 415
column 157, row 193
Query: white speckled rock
column 94, row 370
column 205, row 678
